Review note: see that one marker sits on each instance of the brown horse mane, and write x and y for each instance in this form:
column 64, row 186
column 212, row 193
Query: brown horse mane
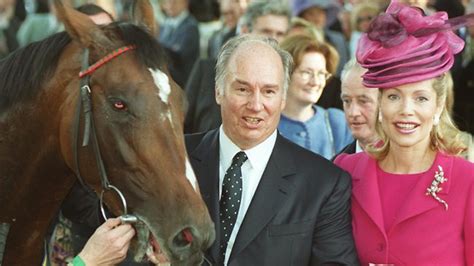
column 23, row 72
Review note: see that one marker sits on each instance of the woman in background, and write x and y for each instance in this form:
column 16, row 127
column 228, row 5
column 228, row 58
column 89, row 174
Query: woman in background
column 323, row 131
column 413, row 195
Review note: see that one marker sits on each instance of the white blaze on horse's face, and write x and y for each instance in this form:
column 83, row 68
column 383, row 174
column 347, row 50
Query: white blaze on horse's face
column 164, row 88
column 163, row 84
column 191, row 176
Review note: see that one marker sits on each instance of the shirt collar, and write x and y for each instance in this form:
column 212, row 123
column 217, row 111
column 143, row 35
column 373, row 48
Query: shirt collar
column 258, row 156
column 358, row 147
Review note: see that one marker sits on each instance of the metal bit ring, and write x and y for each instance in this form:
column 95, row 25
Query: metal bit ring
column 122, row 198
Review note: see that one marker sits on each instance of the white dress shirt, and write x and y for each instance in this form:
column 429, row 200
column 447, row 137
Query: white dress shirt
column 252, row 171
column 358, row 147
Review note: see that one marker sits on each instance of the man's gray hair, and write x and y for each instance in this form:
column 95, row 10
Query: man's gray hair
column 350, row 65
column 231, row 46
column 262, row 8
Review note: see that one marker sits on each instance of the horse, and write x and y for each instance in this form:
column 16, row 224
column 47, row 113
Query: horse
column 96, row 104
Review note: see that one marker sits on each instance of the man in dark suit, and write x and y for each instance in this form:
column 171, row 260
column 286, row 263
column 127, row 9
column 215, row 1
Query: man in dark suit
column 360, row 107
column 277, row 203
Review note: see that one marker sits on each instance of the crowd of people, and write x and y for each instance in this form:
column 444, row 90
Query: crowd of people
column 343, row 128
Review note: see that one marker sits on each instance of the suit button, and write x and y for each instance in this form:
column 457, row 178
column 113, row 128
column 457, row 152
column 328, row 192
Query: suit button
column 381, row 247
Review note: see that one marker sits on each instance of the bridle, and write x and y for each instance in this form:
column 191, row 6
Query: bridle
column 84, row 104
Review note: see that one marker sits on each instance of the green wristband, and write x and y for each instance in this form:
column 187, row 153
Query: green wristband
column 77, row 261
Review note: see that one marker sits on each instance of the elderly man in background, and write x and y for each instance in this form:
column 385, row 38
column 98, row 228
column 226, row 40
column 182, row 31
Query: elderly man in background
column 230, row 12
column 360, row 107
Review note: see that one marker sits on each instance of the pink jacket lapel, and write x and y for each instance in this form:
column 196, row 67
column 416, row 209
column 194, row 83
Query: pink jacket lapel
column 365, row 189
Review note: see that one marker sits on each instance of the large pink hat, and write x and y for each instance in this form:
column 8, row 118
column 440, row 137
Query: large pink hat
column 405, row 46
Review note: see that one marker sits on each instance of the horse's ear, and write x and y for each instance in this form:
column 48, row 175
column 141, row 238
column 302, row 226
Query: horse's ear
column 80, row 27
column 142, row 14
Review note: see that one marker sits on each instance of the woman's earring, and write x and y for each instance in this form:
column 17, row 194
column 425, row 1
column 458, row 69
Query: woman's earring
column 380, row 117
column 435, row 120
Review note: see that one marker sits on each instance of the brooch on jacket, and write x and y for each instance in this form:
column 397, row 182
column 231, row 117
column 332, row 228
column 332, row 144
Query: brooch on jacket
column 435, row 188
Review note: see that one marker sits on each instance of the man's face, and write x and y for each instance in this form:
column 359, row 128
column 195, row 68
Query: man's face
column 252, row 98
column 360, row 106
column 230, row 12
column 271, row 26
column 172, row 8
column 6, row 5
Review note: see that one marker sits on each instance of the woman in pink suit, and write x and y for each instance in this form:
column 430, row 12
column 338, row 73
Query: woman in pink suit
column 412, row 196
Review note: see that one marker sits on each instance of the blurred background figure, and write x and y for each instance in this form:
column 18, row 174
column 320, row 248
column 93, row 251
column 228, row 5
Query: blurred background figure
column 302, row 26
column 230, row 12
column 360, row 107
column 12, row 14
column 361, row 16
column 464, row 82
column 179, row 34
column 423, row 4
column 39, row 25
column 465, row 137
column 323, row 14
column 322, row 131
column 270, row 19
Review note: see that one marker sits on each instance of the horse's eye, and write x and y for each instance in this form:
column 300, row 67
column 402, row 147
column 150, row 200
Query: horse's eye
column 119, row 105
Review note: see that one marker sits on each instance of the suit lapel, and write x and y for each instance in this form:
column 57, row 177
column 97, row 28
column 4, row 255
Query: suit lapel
column 366, row 190
column 269, row 196
column 205, row 161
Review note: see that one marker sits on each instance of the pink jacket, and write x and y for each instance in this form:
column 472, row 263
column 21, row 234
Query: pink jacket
column 424, row 233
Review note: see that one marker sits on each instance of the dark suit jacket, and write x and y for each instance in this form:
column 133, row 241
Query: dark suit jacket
column 203, row 112
column 464, row 98
column 299, row 215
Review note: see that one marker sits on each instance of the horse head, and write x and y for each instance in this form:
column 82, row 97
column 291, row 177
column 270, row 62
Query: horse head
column 136, row 113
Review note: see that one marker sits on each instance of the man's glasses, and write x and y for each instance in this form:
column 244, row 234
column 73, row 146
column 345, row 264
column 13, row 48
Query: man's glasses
column 307, row 75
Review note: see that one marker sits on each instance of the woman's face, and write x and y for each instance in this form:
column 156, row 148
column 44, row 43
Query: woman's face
column 308, row 79
column 407, row 114
column 363, row 20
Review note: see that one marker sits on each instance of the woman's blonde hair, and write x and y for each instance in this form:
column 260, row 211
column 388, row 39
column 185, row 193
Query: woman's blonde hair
column 300, row 44
column 445, row 136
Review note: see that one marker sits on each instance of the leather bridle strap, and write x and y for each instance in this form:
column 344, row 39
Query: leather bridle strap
column 85, row 104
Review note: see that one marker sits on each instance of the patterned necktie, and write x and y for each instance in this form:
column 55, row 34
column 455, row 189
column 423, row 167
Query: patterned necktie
column 230, row 199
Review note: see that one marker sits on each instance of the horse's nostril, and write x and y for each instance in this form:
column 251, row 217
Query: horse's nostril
column 183, row 238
